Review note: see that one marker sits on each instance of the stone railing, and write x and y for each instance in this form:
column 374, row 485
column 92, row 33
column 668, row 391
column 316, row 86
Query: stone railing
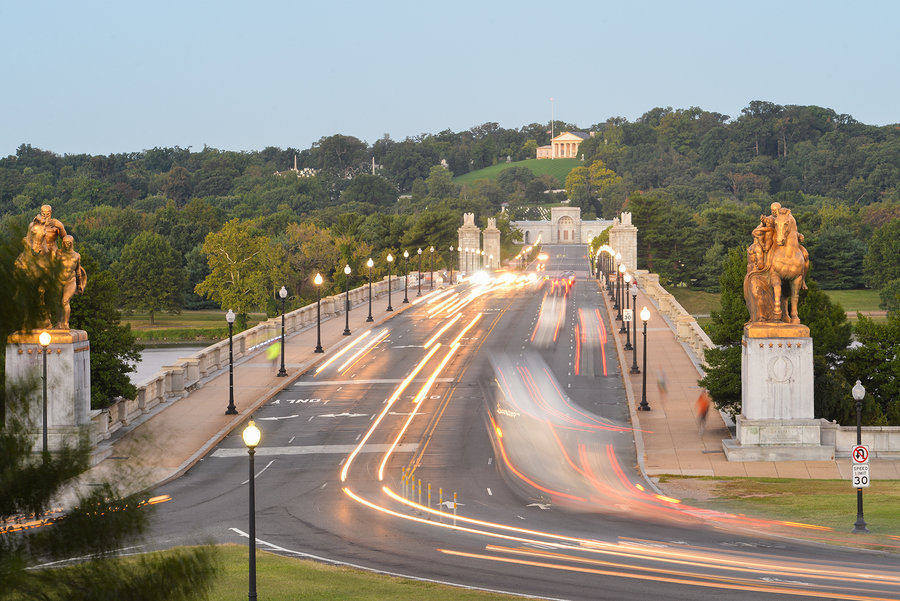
column 176, row 381
column 686, row 328
column 883, row 441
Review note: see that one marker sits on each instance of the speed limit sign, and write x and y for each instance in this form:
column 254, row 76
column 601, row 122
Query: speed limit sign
column 628, row 315
column 859, row 466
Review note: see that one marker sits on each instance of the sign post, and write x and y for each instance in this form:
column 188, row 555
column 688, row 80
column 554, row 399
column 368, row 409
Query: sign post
column 859, row 478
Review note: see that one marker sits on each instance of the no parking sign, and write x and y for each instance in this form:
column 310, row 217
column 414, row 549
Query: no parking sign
column 859, row 466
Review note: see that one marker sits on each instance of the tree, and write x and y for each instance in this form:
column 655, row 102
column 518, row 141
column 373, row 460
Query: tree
column 836, row 260
column 882, row 262
column 723, row 362
column 114, row 348
column 875, row 361
column 150, row 275
column 439, row 183
column 245, row 268
column 372, row 189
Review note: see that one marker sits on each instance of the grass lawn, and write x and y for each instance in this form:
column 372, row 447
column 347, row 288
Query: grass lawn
column 695, row 302
column 558, row 168
column 185, row 319
column 820, row 502
column 856, row 300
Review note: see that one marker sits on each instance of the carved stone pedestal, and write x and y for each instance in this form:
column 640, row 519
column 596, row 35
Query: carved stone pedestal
column 68, row 383
column 776, row 421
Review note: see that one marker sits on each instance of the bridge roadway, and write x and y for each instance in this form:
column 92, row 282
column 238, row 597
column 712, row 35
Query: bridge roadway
column 555, row 506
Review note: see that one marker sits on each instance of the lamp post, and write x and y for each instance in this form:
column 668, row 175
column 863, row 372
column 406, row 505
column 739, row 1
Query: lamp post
column 318, row 282
column 482, row 260
column 370, row 263
column 390, row 262
column 859, row 393
column 620, row 300
column 634, row 366
column 431, row 266
column 451, row 265
column 44, row 340
column 251, row 436
column 419, row 277
column 406, row 276
column 644, row 406
column 231, row 410
column 282, row 294
column 346, row 300
column 626, row 326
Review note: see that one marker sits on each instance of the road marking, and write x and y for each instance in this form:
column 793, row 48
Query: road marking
column 489, row 492
column 338, row 562
column 322, row 449
column 274, row 419
column 490, row 460
column 342, row 415
column 259, row 472
column 292, row 439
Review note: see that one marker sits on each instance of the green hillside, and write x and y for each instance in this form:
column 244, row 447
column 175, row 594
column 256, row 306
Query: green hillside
column 558, row 168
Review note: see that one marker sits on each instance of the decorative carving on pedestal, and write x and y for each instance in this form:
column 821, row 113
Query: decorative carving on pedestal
column 623, row 238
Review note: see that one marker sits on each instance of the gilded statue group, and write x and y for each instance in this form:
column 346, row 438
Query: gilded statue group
column 50, row 253
column 777, row 264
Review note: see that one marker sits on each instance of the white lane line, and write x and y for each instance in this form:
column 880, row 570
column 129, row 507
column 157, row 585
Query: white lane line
column 292, row 439
column 275, row 419
column 489, row 492
column 322, row 449
column 469, row 587
column 259, row 472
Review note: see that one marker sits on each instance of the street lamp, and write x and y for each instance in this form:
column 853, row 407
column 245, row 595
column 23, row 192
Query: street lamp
column 482, row 260
column 626, row 326
column 390, row 262
column 619, row 301
column 369, row 264
column 406, row 276
column 44, row 340
column 634, row 366
column 859, row 393
column 347, row 300
column 231, row 410
column 283, row 295
column 251, row 436
column 431, row 266
column 644, row 406
column 318, row 282
column 451, row 265
column 419, row 278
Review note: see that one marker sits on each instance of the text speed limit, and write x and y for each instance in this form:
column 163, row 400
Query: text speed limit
column 859, row 475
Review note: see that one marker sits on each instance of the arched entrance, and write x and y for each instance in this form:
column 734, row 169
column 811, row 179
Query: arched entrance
column 565, row 230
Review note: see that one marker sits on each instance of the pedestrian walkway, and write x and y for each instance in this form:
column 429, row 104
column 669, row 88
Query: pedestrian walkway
column 671, row 440
column 178, row 434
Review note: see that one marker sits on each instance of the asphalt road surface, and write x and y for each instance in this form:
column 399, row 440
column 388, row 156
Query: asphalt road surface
column 508, row 395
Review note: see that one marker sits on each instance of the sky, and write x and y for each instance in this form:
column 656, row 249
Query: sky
column 103, row 77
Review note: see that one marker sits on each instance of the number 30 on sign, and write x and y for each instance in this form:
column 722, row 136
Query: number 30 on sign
column 859, row 466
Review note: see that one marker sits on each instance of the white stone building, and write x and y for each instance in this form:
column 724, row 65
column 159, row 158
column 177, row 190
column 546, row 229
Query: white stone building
column 565, row 227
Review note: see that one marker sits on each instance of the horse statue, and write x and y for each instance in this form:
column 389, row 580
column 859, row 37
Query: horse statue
column 777, row 264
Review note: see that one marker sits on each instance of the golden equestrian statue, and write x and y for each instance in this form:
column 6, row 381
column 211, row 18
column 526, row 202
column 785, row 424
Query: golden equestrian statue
column 777, row 264
column 57, row 271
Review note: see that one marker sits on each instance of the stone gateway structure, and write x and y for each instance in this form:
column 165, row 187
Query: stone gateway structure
column 564, row 227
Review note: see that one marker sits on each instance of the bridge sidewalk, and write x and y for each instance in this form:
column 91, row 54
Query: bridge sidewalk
column 672, row 442
column 179, row 433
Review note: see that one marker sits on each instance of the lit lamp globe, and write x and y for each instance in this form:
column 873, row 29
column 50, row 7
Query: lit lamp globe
column 283, row 292
column 627, row 278
column 622, row 267
column 370, row 263
column 405, row 254
column 645, row 314
column 318, row 279
column 431, row 249
column 44, row 339
column 419, row 251
column 229, row 316
column 390, row 258
column 346, row 270
column 858, row 391
column 251, row 435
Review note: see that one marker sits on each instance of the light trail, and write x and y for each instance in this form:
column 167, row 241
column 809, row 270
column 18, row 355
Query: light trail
column 444, row 303
column 417, row 402
column 343, row 351
column 387, row 407
column 465, row 329
column 442, row 330
column 368, row 345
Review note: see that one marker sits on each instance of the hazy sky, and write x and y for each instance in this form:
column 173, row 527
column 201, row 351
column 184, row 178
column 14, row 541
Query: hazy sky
column 104, row 77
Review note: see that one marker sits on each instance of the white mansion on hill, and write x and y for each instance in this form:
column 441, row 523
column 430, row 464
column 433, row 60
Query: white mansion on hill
column 565, row 227
column 563, row 146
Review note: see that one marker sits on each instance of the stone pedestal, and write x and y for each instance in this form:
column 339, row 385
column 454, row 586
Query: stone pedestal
column 469, row 242
column 776, row 421
column 68, row 382
column 491, row 237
